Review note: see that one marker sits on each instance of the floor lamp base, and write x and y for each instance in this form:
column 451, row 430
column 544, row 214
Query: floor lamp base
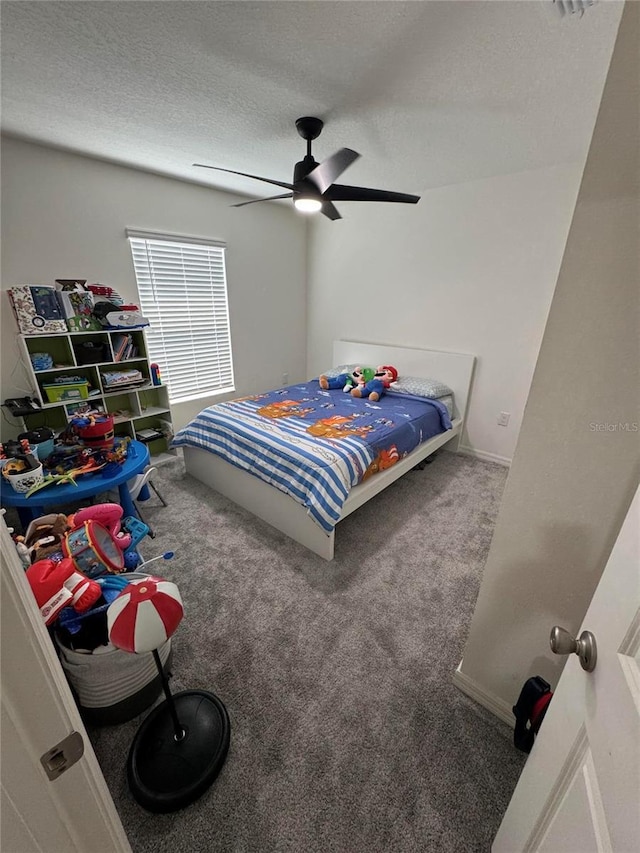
column 167, row 772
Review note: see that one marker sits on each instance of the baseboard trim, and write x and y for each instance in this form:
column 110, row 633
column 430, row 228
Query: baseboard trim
column 484, row 455
column 492, row 703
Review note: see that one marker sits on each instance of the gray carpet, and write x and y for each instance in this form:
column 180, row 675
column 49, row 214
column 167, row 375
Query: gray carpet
column 347, row 733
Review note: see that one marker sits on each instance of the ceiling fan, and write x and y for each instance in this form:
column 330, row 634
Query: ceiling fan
column 313, row 188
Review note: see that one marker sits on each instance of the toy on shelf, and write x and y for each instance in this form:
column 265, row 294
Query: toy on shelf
column 111, row 312
column 67, row 387
column 104, row 293
column 41, row 360
column 77, row 304
column 37, row 309
column 84, row 409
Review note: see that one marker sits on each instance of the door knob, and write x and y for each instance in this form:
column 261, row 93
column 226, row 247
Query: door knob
column 562, row 643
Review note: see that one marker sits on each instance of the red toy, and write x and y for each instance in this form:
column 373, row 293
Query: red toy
column 387, row 374
column 96, row 431
column 59, row 585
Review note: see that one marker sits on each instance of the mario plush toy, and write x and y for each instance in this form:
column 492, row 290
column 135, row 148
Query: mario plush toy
column 384, row 377
column 347, row 381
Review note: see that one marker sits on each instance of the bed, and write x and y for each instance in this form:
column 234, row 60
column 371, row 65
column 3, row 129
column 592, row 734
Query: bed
column 316, row 529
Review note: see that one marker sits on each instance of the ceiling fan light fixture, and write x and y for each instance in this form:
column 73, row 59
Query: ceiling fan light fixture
column 307, row 204
column 313, row 188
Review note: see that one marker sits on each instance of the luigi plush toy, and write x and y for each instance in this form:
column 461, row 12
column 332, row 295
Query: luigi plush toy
column 347, row 381
column 363, row 382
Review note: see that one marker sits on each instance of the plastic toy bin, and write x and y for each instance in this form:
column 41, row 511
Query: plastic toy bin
column 59, row 392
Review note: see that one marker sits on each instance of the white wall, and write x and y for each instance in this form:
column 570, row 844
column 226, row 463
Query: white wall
column 577, row 463
column 470, row 268
column 64, row 216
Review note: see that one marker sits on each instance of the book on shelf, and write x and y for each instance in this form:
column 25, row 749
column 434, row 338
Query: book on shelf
column 121, row 344
column 148, row 434
column 117, row 378
column 131, row 386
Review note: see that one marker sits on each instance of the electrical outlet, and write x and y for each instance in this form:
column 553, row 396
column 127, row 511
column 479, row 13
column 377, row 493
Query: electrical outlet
column 503, row 418
column 285, row 378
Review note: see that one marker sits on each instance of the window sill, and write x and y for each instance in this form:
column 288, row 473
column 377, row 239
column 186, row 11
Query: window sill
column 216, row 393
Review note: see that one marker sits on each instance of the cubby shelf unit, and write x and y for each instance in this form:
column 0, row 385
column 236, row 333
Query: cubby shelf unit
column 89, row 355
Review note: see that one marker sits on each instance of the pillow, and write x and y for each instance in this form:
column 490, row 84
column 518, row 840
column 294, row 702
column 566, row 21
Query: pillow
column 447, row 402
column 419, row 387
column 341, row 368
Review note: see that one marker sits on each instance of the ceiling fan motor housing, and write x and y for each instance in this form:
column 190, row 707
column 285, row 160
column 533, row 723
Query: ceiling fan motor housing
column 302, row 169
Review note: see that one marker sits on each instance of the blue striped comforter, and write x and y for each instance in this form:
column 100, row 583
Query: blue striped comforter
column 315, row 445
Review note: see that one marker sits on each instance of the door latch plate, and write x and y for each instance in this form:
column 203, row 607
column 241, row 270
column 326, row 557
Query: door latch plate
column 63, row 755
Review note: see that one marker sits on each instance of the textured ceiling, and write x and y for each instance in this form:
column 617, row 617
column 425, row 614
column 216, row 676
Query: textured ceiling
column 430, row 93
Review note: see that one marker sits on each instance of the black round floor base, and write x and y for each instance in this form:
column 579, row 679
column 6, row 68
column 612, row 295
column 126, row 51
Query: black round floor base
column 166, row 774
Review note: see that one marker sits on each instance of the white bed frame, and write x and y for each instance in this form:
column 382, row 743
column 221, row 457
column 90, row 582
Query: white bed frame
column 288, row 516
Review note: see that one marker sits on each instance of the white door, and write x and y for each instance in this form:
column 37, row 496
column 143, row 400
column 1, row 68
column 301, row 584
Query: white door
column 580, row 788
column 73, row 813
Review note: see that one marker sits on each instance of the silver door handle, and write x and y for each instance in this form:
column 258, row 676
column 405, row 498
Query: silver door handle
column 562, row 643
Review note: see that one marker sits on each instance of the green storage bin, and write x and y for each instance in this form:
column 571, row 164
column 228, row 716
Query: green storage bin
column 59, row 392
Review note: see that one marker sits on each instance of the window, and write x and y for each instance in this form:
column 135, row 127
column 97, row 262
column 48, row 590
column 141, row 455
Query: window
column 182, row 286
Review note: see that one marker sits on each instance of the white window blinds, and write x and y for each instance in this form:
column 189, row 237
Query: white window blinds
column 182, row 286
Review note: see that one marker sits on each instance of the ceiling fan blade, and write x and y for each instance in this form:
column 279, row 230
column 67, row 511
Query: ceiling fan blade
column 341, row 192
column 326, row 172
column 330, row 210
column 246, row 175
column 269, row 198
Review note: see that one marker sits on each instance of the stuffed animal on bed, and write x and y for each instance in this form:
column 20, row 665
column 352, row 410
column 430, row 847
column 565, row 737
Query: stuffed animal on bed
column 374, row 388
column 347, row 381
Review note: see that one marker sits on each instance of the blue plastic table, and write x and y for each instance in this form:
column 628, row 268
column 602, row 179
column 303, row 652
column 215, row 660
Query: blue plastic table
column 87, row 486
